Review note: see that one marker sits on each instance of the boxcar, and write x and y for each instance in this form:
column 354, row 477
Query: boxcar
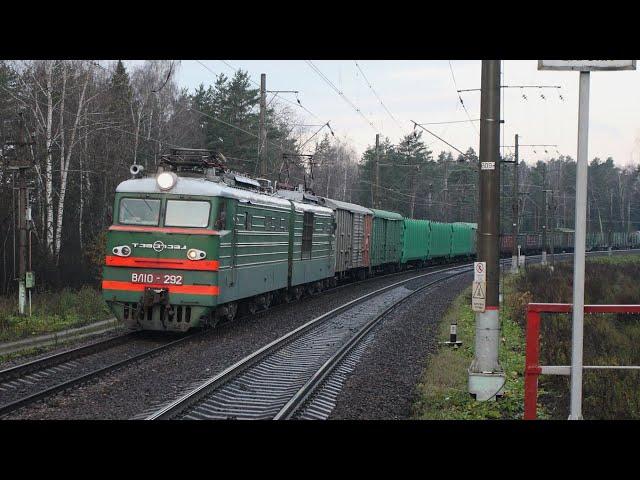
column 352, row 236
column 416, row 240
column 386, row 244
column 440, row 246
column 463, row 239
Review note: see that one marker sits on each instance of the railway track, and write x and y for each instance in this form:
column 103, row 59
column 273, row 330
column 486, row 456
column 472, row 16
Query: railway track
column 280, row 378
column 38, row 379
column 30, row 382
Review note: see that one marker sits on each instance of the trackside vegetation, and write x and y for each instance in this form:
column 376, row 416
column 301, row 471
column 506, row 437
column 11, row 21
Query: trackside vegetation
column 442, row 391
column 52, row 312
column 609, row 340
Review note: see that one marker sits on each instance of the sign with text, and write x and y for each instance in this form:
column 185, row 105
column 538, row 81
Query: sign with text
column 586, row 65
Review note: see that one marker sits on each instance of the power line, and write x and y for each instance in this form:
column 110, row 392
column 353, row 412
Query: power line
column 441, row 139
column 460, row 98
column 453, row 121
column 298, row 104
column 376, row 94
column 337, row 90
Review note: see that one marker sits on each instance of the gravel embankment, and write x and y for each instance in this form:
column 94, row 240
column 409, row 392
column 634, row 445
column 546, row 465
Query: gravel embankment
column 137, row 389
column 382, row 385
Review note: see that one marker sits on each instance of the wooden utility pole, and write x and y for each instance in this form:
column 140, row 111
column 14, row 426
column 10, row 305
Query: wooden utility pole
column 20, row 165
column 262, row 158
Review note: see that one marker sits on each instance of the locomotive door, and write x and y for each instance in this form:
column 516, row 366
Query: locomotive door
column 238, row 219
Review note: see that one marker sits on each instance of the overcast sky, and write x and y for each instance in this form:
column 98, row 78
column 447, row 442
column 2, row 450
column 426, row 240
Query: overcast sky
column 424, row 91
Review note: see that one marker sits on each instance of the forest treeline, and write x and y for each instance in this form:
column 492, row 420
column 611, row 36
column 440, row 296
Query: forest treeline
column 89, row 121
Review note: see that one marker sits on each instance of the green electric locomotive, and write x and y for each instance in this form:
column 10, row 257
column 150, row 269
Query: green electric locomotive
column 194, row 243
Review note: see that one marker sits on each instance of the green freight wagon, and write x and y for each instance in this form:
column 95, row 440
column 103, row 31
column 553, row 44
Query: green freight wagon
column 416, row 238
column 462, row 239
column 386, row 247
column 440, row 246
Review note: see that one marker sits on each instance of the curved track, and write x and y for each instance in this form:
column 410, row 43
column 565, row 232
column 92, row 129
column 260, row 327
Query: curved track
column 278, row 375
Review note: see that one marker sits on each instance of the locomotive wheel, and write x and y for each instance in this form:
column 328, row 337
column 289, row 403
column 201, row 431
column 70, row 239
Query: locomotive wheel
column 232, row 311
column 268, row 299
column 252, row 307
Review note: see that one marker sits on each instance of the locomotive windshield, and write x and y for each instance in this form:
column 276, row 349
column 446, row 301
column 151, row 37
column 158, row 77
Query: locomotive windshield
column 139, row 211
column 187, row 213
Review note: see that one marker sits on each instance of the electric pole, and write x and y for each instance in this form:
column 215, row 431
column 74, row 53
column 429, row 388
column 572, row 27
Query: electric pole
column 377, row 200
column 486, row 376
column 262, row 158
column 516, row 199
column 20, row 165
column 544, row 212
column 446, row 191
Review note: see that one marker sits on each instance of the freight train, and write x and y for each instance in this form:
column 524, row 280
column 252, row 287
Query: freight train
column 195, row 243
column 562, row 240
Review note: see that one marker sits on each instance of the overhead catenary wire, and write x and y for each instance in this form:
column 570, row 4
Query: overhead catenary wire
column 376, row 94
column 439, row 138
column 275, row 94
column 455, row 85
column 340, row 93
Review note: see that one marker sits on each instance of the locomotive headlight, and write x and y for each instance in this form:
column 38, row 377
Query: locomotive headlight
column 122, row 251
column 195, row 254
column 166, row 180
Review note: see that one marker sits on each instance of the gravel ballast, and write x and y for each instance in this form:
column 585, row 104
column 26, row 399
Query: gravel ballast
column 382, row 385
column 140, row 388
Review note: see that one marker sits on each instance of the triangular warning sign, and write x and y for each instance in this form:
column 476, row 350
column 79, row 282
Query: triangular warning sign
column 478, row 291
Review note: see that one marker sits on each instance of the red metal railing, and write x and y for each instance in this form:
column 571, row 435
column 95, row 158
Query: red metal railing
column 532, row 368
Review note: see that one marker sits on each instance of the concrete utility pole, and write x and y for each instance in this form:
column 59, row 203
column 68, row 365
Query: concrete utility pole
column 377, row 202
column 486, row 376
column 516, row 199
column 262, row 158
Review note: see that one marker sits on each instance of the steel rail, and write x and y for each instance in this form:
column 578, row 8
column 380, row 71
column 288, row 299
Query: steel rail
column 298, row 400
column 307, row 391
column 22, row 402
column 190, row 398
column 61, row 357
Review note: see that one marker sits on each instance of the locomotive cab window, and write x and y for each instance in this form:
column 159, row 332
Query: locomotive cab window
column 139, row 211
column 187, row 213
column 307, row 234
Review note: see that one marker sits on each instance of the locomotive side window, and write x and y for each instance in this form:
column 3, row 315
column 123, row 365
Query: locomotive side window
column 187, row 213
column 221, row 221
column 139, row 211
column 307, row 234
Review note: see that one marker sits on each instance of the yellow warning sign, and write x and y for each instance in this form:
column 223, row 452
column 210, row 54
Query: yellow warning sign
column 478, row 296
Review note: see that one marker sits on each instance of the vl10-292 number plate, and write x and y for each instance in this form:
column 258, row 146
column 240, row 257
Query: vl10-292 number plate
column 156, row 278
